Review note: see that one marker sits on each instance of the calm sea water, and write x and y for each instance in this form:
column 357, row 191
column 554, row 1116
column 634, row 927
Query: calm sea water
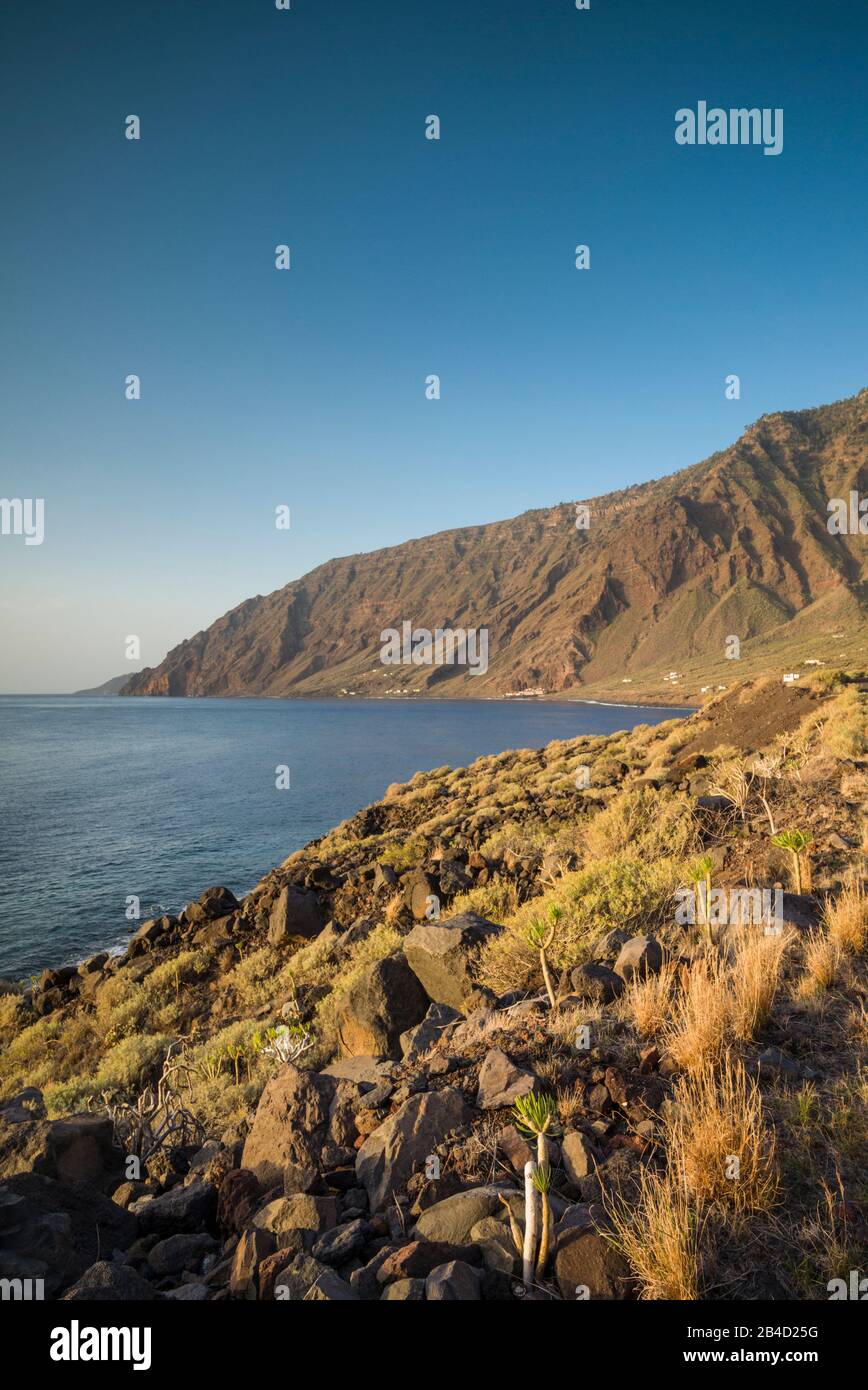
column 104, row 798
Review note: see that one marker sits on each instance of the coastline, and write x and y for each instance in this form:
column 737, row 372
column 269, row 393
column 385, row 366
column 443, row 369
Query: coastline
column 354, row 1031
column 652, row 702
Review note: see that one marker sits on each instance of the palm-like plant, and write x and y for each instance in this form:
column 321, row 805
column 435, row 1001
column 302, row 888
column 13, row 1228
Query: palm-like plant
column 700, row 876
column 796, row 843
column 536, row 1117
column 542, row 1181
column 285, row 1042
column 540, row 937
column 235, row 1052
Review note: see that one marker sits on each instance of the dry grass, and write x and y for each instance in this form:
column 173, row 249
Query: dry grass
column 846, row 919
column 647, row 1002
column 697, row 1033
column 718, row 1141
column 721, row 1170
column 723, row 1002
column 857, row 1023
column 571, row 1103
column 549, row 1068
column 660, row 1235
column 754, row 980
column 822, row 963
column 846, row 719
column 564, row 1025
column 393, row 909
column 825, row 1248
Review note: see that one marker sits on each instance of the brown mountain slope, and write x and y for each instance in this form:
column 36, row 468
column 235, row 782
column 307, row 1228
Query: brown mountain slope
column 664, row 573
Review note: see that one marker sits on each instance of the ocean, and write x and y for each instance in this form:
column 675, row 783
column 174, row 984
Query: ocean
column 105, row 798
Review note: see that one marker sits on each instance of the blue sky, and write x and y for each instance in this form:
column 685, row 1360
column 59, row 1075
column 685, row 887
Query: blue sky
column 409, row 257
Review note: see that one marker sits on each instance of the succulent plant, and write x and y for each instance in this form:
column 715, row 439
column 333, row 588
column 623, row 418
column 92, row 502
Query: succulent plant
column 535, row 1117
column 796, row 842
column 542, row 1181
column 540, row 937
column 700, row 876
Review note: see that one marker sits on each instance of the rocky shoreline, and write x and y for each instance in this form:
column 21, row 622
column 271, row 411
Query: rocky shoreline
column 333, row 1089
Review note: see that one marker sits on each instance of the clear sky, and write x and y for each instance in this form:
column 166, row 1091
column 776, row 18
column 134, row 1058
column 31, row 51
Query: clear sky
column 409, row 257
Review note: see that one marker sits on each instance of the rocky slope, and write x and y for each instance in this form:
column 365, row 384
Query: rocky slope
column 375, row 1148
column 664, row 573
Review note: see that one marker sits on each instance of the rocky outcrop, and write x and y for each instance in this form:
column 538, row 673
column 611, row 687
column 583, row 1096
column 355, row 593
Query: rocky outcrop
column 400, row 1146
column 501, row 1082
column 596, row 982
column 181, row 1209
column 76, row 1149
column 641, row 956
column 295, row 916
column 416, row 1041
column 290, row 1125
column 110, row 1282
column 52, row 1231
column 445, row 955
column 453, row 1219
column 587, row 1266
column 383, row 1003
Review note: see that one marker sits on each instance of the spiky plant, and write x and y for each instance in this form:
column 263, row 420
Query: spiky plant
column 528, row 1253
column 542, row 1181
column 540, row 938
column 700, row 876
column 769, row 768
column 796, row 843
column 235, row 1052
column 536, row 1116
column 515, row 1229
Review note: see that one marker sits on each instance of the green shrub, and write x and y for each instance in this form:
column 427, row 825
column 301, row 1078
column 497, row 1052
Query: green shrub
column 128, row 1064
column 496, row 900
column 404, row 854
column 643, row 821
column 615, row 892
column 254, row 979
column 515, row 837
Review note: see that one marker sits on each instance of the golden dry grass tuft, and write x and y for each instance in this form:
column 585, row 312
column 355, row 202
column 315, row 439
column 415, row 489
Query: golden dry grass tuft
column 698, row 1030
column 660, row 1235
column 754, row 980
column 647, row 1001
column 846, row 919
column 822, row 955
column 718, row 1141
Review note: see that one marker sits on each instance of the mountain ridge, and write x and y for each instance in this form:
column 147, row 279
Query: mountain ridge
column 667, row 570
column 112, row 686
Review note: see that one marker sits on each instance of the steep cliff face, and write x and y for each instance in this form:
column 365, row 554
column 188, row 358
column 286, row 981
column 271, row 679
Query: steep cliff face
column 661, row 575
